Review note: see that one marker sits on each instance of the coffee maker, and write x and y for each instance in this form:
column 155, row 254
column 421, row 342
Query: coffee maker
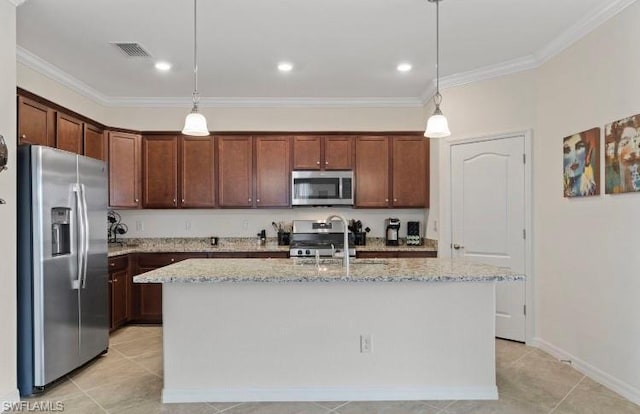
column 392, row 232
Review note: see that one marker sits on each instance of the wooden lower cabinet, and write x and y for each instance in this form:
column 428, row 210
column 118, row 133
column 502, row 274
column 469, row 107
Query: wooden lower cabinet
column 119, row 292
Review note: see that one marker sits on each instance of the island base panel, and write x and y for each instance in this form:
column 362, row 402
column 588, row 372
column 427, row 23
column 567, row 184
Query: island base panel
column 302, row 341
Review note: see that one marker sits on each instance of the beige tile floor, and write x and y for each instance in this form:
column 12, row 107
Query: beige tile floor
column 129, row 380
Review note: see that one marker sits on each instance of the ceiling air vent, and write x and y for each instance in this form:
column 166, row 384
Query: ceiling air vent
column 131, row 49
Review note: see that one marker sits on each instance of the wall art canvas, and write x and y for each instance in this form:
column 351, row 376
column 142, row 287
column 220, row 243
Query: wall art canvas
column 582, row 164
column 622, row 156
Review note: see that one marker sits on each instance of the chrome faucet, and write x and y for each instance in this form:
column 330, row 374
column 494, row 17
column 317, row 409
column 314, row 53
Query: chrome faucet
column 345, row 249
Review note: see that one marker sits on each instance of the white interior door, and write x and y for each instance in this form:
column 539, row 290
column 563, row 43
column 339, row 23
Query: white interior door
column 488, row 219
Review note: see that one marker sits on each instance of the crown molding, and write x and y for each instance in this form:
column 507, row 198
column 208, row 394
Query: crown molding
column 283, row 102
column 535, row 60
column 16, row 2
column 581, row 29
column 53, row 72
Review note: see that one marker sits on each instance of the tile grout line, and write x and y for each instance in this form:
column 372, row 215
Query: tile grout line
column 88, row 396
column 565, row 397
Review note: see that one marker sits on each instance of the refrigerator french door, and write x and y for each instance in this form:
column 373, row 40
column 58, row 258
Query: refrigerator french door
column 62, row 264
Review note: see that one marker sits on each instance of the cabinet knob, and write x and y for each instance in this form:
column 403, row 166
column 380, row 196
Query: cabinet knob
column 23, row 136
column 115, row 280
column 317, row 162
column 395, row 200
column 386, row 200
column 257, row 200
column 136, row 200
column 173, row 260
column 174, row 202
column 110, row 281
column 326, row 163
column 249, row 200
column 183, row 201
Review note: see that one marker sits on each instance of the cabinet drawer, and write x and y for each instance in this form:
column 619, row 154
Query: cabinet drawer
column 118, row 263
column 155, row 260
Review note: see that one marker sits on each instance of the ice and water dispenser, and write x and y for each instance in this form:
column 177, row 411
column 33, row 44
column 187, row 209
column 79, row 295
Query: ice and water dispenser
column 60, row 231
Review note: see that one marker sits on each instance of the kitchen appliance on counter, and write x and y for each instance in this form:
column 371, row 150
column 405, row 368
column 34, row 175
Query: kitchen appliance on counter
column 322, row 188
column 63, row 312
column 413, row 233
column 317, row 236
column 392, row 231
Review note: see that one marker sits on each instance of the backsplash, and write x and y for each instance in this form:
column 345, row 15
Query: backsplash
column 247, row 223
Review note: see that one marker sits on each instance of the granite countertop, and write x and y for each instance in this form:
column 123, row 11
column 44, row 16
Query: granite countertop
column 238, row 244
column 329, row 270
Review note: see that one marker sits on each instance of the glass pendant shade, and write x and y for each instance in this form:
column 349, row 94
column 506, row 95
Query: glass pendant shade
column 195, row 124
column 437, row 126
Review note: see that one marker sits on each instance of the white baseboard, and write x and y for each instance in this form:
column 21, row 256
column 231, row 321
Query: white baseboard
column 328, row 394
column 6, row 400
column 596, row 374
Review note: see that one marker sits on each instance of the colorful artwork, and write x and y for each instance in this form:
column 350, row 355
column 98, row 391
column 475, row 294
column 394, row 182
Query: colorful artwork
column 622, row 156
column 582, row 164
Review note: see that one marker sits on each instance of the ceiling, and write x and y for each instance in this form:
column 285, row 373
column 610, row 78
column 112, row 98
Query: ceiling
column 342, row 50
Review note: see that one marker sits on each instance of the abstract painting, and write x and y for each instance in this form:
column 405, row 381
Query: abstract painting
column 622, row 156
column 582, row 164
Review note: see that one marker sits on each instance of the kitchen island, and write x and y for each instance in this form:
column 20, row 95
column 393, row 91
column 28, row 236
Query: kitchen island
column 291, row 330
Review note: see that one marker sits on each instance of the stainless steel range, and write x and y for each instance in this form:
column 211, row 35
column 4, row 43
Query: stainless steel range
column 311, row 236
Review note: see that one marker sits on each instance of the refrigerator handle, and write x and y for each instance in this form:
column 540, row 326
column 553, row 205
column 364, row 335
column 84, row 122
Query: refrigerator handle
column 86, row 238
column 79, row 235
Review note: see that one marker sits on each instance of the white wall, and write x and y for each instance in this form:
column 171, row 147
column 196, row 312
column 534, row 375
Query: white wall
column 587, row 260
column 247, row 223
column 8, row 381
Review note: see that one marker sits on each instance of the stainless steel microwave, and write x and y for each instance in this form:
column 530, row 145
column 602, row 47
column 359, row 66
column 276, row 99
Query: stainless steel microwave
column 322, row 188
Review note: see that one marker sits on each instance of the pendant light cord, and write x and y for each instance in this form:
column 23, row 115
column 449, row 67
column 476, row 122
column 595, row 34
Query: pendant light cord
column 438, row 47
column 195, row 54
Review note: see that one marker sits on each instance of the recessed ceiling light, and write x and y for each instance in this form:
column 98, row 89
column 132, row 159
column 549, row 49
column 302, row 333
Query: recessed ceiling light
column 163, row 66
column 285, row 67
column 404, row 67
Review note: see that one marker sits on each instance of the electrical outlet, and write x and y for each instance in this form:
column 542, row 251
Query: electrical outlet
column 187, row 225
column 139, row 225
column 366, row 343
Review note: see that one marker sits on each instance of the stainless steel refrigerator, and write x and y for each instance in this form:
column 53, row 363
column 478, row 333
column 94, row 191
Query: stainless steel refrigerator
column 63, row 313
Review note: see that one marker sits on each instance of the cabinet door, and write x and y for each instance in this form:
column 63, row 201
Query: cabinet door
column 68, row 133
column 159, row 171
column 94, row 142
column 307, row 153
column 338, row 153
column 149, row 301
column 235, row 169
column 119, row 298
column 35, row 123
column 197, row 172
column 124, row 170
column 410, row 171
column 272, row 171
column 372, row 172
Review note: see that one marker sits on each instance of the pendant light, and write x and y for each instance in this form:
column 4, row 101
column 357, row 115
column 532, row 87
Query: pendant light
column 195, row 124
column 437, row 125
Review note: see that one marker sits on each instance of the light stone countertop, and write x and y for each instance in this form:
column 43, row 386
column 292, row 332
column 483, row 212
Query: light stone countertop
column 236, row 244
column 330, row 270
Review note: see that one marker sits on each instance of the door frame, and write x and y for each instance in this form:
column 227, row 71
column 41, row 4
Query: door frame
column 444, row 216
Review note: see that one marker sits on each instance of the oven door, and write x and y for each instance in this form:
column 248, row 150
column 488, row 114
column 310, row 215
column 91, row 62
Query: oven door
column 321, row 188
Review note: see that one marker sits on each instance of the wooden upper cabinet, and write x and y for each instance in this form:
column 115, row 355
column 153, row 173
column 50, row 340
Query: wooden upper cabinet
column 36, row 123
column 322, row 153
column 372, row 172
column 272, row 168
column 68, row 133
column 307, row 153
column 124, row 170
column 197, row 172
column 410, row 172
column 95, row 142
column 235, row 171
column 338, row 153
column 159, row 171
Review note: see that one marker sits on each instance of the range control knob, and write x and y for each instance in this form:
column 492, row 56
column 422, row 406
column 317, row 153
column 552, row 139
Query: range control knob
column 308, row 252
column 299, row 252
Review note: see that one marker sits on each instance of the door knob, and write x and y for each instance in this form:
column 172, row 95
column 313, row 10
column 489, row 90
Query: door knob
column 458, row 247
